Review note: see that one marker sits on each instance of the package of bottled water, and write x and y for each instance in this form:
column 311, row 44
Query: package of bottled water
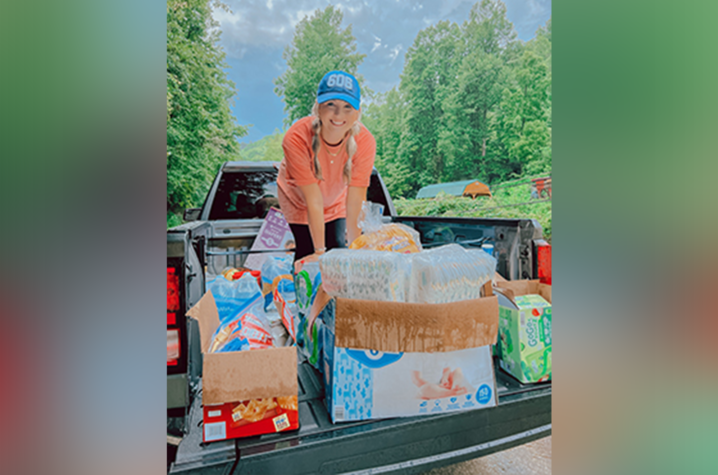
column 449, row 273
column 306, row 284
column 234, row 298
column 274, row 270
column 366, row 275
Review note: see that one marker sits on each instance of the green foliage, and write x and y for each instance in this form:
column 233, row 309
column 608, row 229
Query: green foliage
column 266, row 149
column 473, row 103
column 319, row 45
column 507, row 202
column 201, row 131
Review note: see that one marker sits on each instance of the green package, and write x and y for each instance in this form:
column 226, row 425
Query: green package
column 525, row 338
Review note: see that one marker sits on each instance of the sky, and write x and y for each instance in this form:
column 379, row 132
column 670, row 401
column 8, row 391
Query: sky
column 255, row 33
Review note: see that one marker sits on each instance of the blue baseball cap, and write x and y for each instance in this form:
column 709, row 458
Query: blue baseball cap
column 339, row 85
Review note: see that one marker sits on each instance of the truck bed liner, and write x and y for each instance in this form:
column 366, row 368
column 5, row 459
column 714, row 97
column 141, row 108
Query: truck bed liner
column 398, row 445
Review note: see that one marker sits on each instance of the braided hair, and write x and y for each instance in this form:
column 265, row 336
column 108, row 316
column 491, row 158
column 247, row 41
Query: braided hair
column 351, row 145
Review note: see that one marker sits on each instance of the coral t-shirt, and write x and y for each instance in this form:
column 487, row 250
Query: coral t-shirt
column 297, row 169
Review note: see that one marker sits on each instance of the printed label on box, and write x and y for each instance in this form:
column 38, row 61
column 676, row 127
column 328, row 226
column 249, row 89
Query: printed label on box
column 215, row 431
column 525, row 339
column 371, row 384
column 274, row 234
column 281, row 422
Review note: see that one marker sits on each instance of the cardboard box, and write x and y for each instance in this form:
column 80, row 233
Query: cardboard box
column 525, row 329
column 387, row 359
column 244, row 393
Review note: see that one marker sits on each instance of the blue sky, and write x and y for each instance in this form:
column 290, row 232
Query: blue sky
column 255, row 33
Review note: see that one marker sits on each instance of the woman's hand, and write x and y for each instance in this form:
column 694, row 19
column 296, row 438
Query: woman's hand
column 310, row 258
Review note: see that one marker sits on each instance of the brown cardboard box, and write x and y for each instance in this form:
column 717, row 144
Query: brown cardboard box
column 238, row 382
column 387, row 359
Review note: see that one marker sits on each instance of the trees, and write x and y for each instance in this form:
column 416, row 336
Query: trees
column 473, row 102
column 319, row 46
column 428, row 76
column 201, row 131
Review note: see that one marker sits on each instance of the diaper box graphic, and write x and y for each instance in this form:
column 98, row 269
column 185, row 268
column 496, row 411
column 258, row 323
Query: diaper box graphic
column 389, row 359
column 525, row 321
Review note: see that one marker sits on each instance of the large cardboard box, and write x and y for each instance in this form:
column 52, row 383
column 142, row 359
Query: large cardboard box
column 525, row 329
column 244, row 393
column 387, row 359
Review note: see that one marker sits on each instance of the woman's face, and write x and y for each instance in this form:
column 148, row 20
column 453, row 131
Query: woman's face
column 337, row 118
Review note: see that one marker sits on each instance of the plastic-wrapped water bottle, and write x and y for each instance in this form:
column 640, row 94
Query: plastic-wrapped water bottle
column 364, row 274
column 272, row 268
column 307, row 282
column 225, row 297
column 449, row 274
column 250, row 296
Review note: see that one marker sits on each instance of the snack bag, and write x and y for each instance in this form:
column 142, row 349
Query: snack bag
column 248, row 332
column 378, row 236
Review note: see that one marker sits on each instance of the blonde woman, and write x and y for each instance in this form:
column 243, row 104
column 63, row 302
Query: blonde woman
column 325, row 173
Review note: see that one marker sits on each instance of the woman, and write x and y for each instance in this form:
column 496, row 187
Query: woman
column 328, row 159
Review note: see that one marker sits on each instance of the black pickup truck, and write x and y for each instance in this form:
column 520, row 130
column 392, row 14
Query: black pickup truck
column 220, row 234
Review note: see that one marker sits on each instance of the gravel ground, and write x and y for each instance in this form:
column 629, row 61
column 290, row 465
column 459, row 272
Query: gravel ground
column 533, row 458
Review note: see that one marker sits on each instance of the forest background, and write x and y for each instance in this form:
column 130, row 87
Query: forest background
column 473, row 102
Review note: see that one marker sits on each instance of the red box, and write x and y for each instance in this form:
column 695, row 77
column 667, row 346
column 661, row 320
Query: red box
column 244, row 393
column 225, row 421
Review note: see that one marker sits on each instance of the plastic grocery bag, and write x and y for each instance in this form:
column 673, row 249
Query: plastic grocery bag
column 378, row 236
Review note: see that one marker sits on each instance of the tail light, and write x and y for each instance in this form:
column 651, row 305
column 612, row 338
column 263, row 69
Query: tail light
column 175, row 328
column 173, row 347
column 543, row 261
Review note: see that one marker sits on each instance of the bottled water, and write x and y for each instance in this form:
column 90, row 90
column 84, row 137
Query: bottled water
column 272, row 268
column 225, row 297
column 306, row 283
column 449, row 273
column 364, row 274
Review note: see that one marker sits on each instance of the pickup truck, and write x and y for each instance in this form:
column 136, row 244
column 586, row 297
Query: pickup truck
column 220, row 234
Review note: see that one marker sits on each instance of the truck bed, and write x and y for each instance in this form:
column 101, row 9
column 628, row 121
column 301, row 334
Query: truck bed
column 399, row 445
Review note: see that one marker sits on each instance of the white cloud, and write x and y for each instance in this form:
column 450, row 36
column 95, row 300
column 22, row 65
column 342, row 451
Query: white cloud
column 270, row 4
column 395, row 53
column 225, row 18
column 377, row 43
column 299, row 16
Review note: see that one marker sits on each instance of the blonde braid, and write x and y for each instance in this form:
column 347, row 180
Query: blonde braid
column 351, row 150
column 316, row 128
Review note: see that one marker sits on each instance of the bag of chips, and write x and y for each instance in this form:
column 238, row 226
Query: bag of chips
column 378, row 236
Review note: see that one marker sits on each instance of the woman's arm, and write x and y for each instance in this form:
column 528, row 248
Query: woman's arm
column 315, row 213
column 356, row 195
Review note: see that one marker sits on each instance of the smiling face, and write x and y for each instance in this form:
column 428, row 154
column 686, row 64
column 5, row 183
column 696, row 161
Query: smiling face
column 337, row 118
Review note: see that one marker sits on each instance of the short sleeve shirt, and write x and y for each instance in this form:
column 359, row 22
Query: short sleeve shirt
column 297, row 169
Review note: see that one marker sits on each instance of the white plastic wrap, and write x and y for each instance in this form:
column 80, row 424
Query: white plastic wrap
column 366, row 275
column 449, row 273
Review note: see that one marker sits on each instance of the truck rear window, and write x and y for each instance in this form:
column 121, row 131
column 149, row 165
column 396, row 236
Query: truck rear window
column 245, row 195
column 249, row 195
